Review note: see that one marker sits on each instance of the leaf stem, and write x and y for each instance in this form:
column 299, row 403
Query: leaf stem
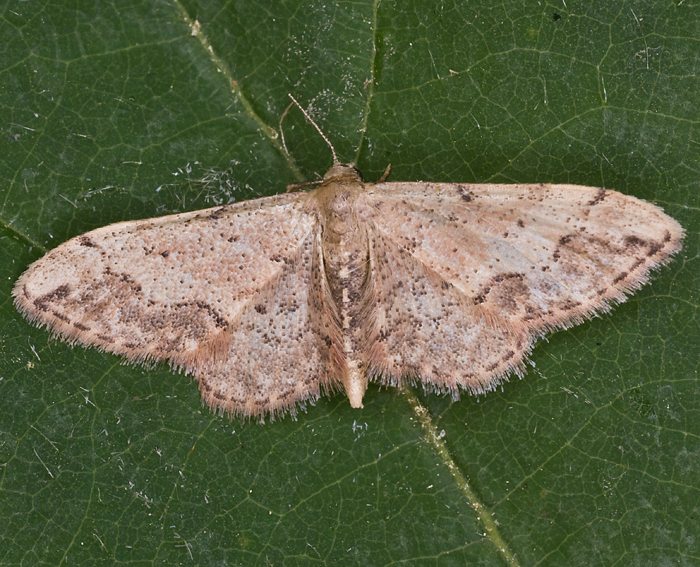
column 268, row 131
column 435, row 439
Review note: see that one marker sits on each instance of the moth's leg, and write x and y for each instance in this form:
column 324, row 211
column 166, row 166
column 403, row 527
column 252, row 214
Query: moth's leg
column 385, row 175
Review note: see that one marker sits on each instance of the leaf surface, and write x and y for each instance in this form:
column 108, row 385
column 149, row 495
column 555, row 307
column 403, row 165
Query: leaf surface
column 120, row 111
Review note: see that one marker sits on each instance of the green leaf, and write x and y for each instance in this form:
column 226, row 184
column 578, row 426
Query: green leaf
column 116, row 111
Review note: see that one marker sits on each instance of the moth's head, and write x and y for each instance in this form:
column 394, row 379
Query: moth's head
column 343, row 172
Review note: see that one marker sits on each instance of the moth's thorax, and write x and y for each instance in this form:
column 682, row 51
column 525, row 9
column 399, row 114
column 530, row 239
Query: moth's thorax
column 343, row 172
column 336, row 198
column 344, row 237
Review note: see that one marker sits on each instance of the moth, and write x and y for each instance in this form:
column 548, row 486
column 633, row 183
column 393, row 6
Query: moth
column 269, row 303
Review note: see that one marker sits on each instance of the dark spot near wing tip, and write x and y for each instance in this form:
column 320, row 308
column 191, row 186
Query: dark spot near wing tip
column 667, row 236
column 165, row 253
column 634, row 241
column 521, row 224
column 61, row 292
column 654, row 248
column 261, row 309
column 86, row 241
column 467, row 196
column 620, row 277
column 599, row 196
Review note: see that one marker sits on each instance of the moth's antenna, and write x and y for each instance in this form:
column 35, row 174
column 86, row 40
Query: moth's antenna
column 311, row 121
